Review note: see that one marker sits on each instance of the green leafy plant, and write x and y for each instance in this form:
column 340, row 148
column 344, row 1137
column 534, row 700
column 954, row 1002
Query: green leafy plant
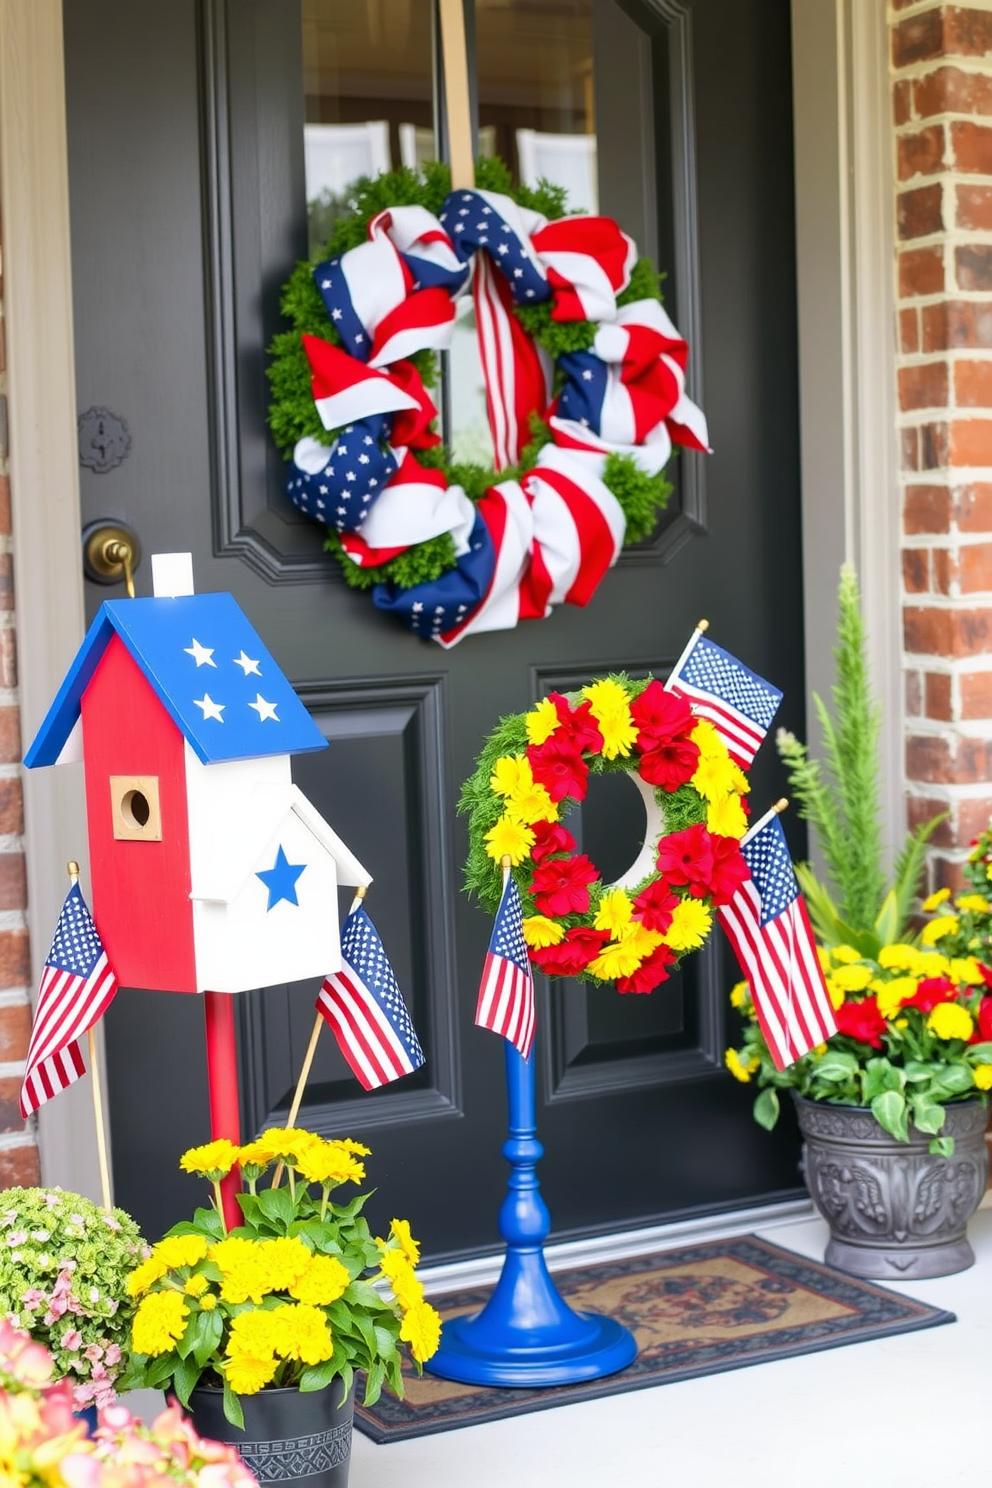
column 299, row 1294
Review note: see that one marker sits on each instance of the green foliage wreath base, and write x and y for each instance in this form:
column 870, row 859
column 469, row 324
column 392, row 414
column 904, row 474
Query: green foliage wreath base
column 293, row 416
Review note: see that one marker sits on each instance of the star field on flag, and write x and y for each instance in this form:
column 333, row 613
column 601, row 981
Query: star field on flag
column 739, row 703
column 363, row 1005
column 506, row 994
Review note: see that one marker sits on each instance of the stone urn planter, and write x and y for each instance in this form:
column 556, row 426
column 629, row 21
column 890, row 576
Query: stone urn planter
column 895, row 1210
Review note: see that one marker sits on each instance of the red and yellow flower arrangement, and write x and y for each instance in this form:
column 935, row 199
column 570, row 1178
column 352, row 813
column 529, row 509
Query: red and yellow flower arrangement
column 536, row 765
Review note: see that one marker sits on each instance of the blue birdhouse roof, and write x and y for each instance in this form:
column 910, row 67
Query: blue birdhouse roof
column 209, row 670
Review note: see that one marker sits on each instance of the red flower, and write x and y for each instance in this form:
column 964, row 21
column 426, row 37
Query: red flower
column 687, row 858
column 650, row 974
column 861, row 1021
column 550, row 837
column 986, row 972
column 660, row 717
column 572, row 954
column 930, row 992
column 559, row 767
column 583, row 730
column 983, row 1028
column 729, row 869
column 561, row 887
column 653, row 906
column 669, row 764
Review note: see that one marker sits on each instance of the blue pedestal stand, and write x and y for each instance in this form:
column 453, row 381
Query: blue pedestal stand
column 527, row 1334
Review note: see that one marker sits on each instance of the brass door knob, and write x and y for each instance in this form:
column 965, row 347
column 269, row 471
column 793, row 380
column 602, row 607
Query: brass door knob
column 111, row 553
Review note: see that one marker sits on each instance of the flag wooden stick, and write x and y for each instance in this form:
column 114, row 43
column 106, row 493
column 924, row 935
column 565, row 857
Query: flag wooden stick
column 782, row 804
column 101, row 1134
column 308, row 1059
column 701, row 628
column 456, row 96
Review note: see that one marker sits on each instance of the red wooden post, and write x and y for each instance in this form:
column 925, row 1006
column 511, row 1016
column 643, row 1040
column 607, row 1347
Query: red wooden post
column 222, row 1080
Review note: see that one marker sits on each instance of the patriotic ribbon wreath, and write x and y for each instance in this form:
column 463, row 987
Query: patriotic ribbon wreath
column 585, row 388
column 536, row 764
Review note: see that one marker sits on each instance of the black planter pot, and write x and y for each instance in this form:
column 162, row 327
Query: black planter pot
column 297, row 1440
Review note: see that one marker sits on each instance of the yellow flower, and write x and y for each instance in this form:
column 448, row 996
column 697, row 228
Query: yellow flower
column 637, row 937
column 329, row 1163
column 541, row 721
column 509, row 839
column 397, row 1268
column 511, row 772
column 937, row 929
column 714, row 778
column 285, row 1143
column 972, row 904
column 708, row 741
column 421, row 1329
column 539, row 931
column 254, row 1158
column 614, row 913
column 247, row 1375
column 853, row 978
column 301, row 1332
column 529, row 804
column 898, row 957
column 323, row 1281
column 358, row 1149
column 400, row 1231
column 931, row 964
column 837, row 994
column 196, row 1286
column 159, row 1321
column 934, row 901
column 618, row 959
column 180, row 1250
column 739, row 996
column 214, row 1160
column 823, row 956
column 208, row 1302
column 949, row 1020
column 843, row 954
column 144, row 1276
column 690, row 925
column 283, row 1261
column 964, row 971
column 725, row 817
column 253, row 1333
column 892, row 995
column 982, row 1074
column 740, row 1069
column 611, row 709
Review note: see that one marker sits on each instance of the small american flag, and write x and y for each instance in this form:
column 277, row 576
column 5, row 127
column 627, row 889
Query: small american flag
column 77, row 987
column 506, row 996
column 364, row 1006
column 739, row 703
column 768, row 927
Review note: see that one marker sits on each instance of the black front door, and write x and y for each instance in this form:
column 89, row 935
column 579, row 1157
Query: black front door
column 189, row 207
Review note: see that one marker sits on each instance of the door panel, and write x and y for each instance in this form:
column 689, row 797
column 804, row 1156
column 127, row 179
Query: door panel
column 188, row 211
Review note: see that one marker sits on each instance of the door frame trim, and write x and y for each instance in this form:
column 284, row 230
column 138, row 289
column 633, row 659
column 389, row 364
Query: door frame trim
column 846, row 359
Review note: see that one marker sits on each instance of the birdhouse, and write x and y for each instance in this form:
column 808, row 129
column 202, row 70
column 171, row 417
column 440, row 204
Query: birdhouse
column 210, row 869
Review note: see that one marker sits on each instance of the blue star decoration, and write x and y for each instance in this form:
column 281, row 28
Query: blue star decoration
column 280, row 880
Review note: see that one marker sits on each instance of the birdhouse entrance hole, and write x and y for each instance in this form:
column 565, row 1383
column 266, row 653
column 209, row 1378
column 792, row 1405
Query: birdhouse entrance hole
column 135, row 805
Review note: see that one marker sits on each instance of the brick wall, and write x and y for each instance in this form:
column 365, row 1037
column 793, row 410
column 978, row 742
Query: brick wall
column 942, row 106
column 18, row 1145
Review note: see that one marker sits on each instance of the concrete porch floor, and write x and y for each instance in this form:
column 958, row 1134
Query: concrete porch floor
column 902, row 1412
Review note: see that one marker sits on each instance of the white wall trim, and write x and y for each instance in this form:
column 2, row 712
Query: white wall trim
column 847, row 346
column 44, row 482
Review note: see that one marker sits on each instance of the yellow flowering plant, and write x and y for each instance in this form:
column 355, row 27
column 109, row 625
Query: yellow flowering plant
column 299, row 1294
column 914, row 1029
column 536, row 766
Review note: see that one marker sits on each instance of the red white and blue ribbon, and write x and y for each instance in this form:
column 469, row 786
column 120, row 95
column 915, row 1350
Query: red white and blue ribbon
column 527, row 544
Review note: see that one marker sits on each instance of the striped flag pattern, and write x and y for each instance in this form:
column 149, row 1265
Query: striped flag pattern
column 363, row 1005
column 77, row 987
column 506, row 996
column 768, row 926
column 739, row 703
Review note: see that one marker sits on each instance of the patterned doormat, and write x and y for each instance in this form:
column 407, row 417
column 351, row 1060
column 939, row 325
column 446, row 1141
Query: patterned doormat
column 694, row 1311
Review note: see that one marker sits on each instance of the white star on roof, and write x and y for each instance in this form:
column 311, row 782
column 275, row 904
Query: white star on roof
column 210, row 708
column 263, row 709
column 245, row 662
column 202, row 655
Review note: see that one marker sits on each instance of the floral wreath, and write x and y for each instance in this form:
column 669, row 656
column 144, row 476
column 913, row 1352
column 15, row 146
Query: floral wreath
column 535, row 764
column 585, row 389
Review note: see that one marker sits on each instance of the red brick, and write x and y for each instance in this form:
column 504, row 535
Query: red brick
column 967, row 32
column 951, row 90
column 939, row 760
column 921, row 154
column 934, row 447
column 974, row 207
column 971, row 146
column 13, row 884
column 970, row 442
column 6, row 582
column 937, row 695
column 973, row 384
column 10, row 736
column 956, row 323
column 976, row 695
column 19, row 1167
column 8, row 658
column 939, row 632
column 15, row 958
column 11, row 1119
column 973, row 266
column 11, row 808
column 923, row 809
column 909, row 330
column 920, row 212
column 916, row 570
column 910, row 448
column 914, row 694
column 923, row 386
column 927, row 509
column 975, row 568
column 921, row 272
column 972, row 818
column 947, row 874
column 973, row 508
column 902, row 99
column 942, row 571
column 919, row 37
column 15, row 1032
